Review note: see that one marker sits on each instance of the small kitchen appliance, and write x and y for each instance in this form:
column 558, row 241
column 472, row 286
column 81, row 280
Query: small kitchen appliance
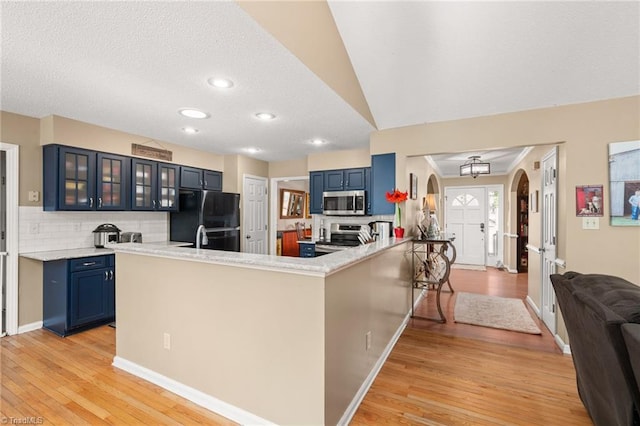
column 131, row 237
column 104, row 234
column 383, row 229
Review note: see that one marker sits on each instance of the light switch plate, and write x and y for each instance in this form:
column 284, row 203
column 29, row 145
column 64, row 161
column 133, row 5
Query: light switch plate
column 34, row 196
column 590, row 223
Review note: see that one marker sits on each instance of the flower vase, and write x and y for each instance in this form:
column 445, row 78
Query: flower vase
column 398, row 232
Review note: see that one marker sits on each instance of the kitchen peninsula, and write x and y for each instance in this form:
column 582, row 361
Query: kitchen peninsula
column 262, row 338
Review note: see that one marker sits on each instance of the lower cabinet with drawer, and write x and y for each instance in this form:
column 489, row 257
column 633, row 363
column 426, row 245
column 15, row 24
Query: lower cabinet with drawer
column 307, row 249
column 78, row 294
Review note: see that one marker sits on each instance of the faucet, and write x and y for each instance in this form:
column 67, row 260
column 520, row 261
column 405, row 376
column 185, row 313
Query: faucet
column 205, row 240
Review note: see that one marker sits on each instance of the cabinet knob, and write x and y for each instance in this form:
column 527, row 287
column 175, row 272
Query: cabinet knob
column 90, row 202
column 154, row 204
column 111, row 275
column 205, row 183
column 106, row 275
column 99, row 202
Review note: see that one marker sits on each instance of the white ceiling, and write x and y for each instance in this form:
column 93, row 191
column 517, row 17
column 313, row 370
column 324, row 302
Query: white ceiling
column 131, row 65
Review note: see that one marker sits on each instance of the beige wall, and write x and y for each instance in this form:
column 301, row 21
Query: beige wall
column 263, row 353
column 585, row 129
column 286, row 361
column 372, row 296
column 289, row 168
column 339, row 159
column 29, row 291
column 24, row 131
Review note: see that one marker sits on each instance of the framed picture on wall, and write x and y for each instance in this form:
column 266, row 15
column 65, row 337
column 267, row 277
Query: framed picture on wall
column 589, row 200
column 413, row 186
column 624, row 183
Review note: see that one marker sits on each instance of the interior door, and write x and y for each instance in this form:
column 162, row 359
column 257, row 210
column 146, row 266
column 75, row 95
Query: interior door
column 254, row 227
column 3, row 241
column 549, row 236
column 465, row 216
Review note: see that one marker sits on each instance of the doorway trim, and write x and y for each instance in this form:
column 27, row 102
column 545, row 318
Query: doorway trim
column 13, row 166
column 273, row 201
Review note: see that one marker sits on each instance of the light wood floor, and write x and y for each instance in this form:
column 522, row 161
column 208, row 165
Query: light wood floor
column 437, row 374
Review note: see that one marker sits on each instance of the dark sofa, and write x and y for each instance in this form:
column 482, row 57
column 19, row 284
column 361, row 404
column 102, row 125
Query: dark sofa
column 594, row 308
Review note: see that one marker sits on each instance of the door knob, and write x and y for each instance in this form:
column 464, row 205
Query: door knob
column 482, row 227
column 248, row 236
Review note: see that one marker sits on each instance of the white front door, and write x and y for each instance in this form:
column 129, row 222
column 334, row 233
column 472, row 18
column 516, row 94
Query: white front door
column 465, row 216
column 254, row 227
column 549, row 236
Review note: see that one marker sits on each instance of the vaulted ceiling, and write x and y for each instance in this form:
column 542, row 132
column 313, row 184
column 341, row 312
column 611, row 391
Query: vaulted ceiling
column 335, row 71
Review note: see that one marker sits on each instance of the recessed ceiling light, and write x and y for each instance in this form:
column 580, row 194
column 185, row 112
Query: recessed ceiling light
column 266, row 116
column 317, row 142
column 252, row 150
column 193, row 113
column 190, row 130
column 220, row 83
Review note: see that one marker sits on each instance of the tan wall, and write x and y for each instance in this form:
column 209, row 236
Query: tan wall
column 420, row 167
column 24, row 131
column 29, row 291
column 339, row 159
column 372, row 296
column 263, row 352
column 289, row 168
column 586, row 130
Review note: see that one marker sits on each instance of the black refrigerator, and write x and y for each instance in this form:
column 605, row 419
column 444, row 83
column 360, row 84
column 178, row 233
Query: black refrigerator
column 219, row 212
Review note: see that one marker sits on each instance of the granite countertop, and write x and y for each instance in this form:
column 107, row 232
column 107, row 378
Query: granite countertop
column 317, row 266
column 47, row 256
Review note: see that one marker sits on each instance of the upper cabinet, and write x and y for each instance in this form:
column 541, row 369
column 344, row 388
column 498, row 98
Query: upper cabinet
column 316, row 187
column 80, row 179
column 113, row 181
column 154, row 185
column 383, row 179
column 344, row 180
column 194, row 178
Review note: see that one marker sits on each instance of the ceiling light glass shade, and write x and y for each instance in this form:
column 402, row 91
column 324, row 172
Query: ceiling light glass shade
column 193, row 113
column 266, row 116
column 220, row 83
column 474, row 167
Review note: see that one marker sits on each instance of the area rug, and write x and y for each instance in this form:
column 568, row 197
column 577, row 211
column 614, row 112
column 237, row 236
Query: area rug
column 495, row 312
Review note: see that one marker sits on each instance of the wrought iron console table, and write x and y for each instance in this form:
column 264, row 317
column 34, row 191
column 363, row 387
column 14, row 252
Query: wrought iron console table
column 431, row 262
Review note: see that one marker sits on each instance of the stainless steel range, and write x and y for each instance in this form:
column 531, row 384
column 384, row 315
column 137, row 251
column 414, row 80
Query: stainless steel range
column 343, row 236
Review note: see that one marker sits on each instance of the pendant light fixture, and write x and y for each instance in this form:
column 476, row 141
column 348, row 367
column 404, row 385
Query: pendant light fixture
column 474, row 167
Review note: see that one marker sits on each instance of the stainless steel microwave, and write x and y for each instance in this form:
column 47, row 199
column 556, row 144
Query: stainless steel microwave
column 344, row 203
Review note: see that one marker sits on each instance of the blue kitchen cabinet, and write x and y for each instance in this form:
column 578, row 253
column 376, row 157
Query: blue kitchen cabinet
column 383, row 180
column 344, row 179
column 113, row 181
column 69, row 178
column 78, row 294
column 316, row 187
column 307, row 249
column 154, row 185
column 81, row 179
column 194, row 178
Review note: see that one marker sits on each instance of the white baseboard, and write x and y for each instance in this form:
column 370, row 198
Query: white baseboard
column 512, row 271
column 207, row 401
column 29, row 327
column 469, row 267
column 566, row 349
column 364, row 388
column 531, row 303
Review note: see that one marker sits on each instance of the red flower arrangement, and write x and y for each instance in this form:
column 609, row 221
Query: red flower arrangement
column 397, row 197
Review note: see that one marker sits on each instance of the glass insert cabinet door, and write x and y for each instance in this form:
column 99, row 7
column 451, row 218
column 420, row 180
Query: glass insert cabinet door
column 144, row 184
column 79, row 179
column 167, row 186
column 113, row 176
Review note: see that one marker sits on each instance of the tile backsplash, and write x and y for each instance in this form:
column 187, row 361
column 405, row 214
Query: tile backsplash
column 44, row 231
